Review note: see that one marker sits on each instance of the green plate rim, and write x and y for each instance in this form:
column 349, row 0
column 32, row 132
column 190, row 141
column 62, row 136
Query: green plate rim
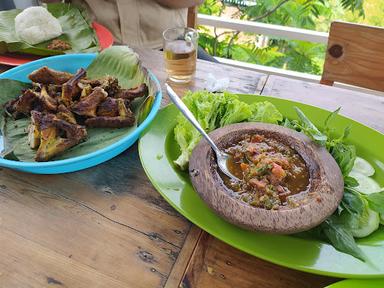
column 238, row 246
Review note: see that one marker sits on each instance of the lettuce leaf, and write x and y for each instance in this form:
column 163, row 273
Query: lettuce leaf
column 215, row 110
column 265, row 112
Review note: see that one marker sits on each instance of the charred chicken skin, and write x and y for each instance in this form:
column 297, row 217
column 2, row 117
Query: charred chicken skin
column 88, row 105
column 45, row 75
column 62, row 106
column 130, row 94
column 124, row 119
column 70, row 88
column 56, row 136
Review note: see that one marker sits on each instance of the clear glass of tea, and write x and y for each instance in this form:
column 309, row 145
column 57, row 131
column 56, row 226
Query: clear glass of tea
column 180, row 53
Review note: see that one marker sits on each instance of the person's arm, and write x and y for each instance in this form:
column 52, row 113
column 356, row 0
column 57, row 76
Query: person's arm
column 176, row 4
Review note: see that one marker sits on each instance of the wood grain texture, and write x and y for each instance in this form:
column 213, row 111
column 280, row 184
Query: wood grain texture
column 241, row 81
column 102, row 227
column 355, row 56
column 215, row 264
column 365, row 108
column 192, row 17
column 184, row 257
column 97, row 220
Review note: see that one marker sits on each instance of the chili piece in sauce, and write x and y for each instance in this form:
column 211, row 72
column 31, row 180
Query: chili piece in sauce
column 270, row 172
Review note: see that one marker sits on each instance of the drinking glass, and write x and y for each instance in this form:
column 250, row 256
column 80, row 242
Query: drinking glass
column 180, row 53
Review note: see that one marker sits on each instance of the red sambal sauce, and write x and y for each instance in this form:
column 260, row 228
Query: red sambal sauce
column 270, row 172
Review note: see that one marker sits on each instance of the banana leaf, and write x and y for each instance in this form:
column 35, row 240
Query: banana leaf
column 118, row 61
column 77, row 31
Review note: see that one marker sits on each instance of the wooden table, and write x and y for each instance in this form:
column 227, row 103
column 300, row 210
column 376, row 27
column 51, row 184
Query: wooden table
column 108, row 227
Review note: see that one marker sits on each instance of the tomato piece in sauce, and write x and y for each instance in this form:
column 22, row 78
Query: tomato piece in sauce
column 270, row 171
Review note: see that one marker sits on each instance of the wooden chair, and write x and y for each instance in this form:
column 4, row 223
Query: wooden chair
column 192, row 17
column 355, row 56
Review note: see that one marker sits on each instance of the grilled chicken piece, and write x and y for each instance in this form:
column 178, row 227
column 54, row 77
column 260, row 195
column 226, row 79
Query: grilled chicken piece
column 45, row 75
column 86, row 89
column 31, row 100
column 133, row 93
column 109, row 84
column 23, row 105
column 52, row 142
column 126, row 118
column 54, row 90
column 48, row 102
column 109, row 108
column 65, row 114
column 88, row 105
column 70, row 89
column 34, row 130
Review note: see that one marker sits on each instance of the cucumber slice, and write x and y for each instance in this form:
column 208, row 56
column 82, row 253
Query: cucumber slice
column 362, row 166
column 381, row 218
column 368, row 224
column 366, row 184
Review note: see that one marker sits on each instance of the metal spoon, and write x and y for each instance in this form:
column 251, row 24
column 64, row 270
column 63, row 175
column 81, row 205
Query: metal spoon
column 221, row 156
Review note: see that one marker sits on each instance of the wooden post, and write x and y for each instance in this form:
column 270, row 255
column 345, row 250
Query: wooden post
column 192, row 17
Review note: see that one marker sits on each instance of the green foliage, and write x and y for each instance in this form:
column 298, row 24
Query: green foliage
column 215, row 110
column 292, row 55
column 81, row 38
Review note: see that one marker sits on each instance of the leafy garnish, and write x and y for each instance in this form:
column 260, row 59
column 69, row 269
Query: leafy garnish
column 265, row 112
column 350, row 182
column 345, row 156
column 341, row 238
column 376, row 201
column 307, row 127
column 214, row 111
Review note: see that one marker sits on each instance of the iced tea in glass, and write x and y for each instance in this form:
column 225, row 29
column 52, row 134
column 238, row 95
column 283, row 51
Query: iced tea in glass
column 180, row 53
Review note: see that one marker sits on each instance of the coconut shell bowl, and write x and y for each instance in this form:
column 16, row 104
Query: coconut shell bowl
column 324, row 193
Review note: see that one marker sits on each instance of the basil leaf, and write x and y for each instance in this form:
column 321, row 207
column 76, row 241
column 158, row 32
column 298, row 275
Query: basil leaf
column 342, row 239
column 376, row 201
column 345, row 156
column 350, row 182
column 288, row 124
column 346, row 132
column 331, row 116
column 352, row 202
column 310, row 129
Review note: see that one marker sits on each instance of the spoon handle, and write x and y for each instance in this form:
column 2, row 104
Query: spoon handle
column 188, row 114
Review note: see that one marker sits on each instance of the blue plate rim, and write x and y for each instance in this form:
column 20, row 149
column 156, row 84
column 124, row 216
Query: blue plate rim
column 135, row 134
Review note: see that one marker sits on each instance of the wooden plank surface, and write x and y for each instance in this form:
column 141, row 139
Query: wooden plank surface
column 241, row 80
column 108, row 227
column 216, row 264
column 365, row 108
column 101, row 227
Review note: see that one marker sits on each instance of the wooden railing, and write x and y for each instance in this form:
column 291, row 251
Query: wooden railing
column 289, row 33
column 262, row 28
column 265, row 29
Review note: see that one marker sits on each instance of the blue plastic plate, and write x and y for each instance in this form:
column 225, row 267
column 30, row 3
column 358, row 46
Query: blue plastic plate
column 71, row 63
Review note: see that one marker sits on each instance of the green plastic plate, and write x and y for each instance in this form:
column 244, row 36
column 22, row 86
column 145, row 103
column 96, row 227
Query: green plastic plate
column 158, row 149
column 356, row 283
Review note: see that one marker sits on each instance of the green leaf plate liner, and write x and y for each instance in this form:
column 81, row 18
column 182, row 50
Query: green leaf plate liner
column 77, row 31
